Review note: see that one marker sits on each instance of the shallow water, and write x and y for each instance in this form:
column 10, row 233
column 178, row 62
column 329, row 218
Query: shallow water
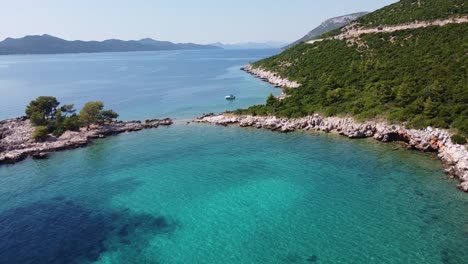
column 206, row 194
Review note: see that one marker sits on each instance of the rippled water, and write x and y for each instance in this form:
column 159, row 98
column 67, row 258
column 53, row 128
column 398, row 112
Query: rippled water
column 180, row 84
column 206, row 194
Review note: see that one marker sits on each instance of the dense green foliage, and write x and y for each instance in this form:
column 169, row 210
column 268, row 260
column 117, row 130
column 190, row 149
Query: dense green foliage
column 41, row 132
column 91, row 113
column 42, row 110
column 458, row 139
column 108, row 115
column 406, row 11
column 45, row 114
column 416, row 75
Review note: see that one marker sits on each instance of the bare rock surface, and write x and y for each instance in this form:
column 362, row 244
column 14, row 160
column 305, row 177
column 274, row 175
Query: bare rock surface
column 453, row 156
column 17, row 143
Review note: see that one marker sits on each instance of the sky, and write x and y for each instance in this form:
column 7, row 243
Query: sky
column 199, row 21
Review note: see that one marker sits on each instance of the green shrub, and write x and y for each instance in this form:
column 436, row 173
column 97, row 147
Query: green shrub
column 40, row 133
column 458, row 139
column 439, row 122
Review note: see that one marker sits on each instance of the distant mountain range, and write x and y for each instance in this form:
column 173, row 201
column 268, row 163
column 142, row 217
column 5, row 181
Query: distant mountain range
column 46, row 44
column 327, row 26
column 251, row 45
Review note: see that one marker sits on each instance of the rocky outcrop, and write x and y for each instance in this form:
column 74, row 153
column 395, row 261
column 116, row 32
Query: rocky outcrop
column 17, row 143
column 453, row 156
column 272, row 78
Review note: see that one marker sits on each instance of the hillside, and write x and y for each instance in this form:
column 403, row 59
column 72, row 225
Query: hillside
column 328, row 25
column 419, row 76
column 46, row 44
column 408, row 11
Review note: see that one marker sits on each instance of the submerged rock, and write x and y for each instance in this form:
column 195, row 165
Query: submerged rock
column 40, row 155
column 312, row 259
column 463, row 186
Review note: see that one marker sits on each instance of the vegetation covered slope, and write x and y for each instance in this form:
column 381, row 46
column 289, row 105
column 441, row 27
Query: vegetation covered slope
column 407, row 11
column 417, row 75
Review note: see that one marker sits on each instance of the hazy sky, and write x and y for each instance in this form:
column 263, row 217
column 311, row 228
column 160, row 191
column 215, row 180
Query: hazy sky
column 202, row 21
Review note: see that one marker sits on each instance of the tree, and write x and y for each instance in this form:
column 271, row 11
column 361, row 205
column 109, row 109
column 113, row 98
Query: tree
column 37, row 118
column 71, row 123
column 430, row 109
column 91, row 113
column 271, row 100
column 59, row 117
column 404, row 94
column 68, row 109
column 42, row 109
column 109, row 115
column 334, row 96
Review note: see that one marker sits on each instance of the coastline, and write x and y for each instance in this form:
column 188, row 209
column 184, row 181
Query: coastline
column 272, row 78
column 17, row 143
column 454, row 157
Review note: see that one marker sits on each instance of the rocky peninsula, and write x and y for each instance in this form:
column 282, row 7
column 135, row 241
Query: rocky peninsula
column 453, row 156
column 271, row 78
column 17, row 142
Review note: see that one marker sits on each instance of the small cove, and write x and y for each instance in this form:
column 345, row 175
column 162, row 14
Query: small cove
column 206, row 194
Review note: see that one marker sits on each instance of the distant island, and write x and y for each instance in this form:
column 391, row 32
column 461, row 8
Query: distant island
column 46, row 44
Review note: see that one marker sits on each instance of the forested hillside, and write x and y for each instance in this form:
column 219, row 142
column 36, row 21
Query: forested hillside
column 417, row 76
column 407, row 11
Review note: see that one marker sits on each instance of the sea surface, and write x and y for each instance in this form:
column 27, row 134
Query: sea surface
column 204, row 194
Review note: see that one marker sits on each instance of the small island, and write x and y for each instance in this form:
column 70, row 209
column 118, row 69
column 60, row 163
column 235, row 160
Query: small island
column 49, row 127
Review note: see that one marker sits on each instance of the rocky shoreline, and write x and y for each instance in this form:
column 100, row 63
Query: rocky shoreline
column 17, row 143
column 453, row 156
column 271, row 78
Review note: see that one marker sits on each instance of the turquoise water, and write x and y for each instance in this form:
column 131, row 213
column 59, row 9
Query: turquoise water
column 205, row 194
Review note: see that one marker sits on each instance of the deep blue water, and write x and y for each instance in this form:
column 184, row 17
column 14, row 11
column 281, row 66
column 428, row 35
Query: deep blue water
column 206, row 194
column 138, row 85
